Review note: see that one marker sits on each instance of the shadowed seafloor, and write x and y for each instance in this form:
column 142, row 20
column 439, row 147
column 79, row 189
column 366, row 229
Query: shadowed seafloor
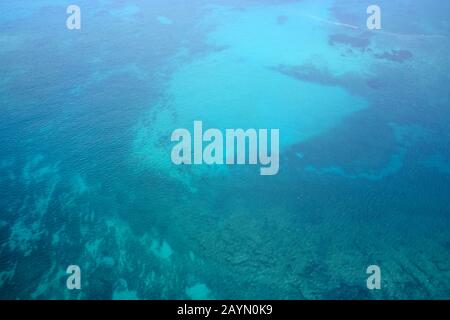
column 86, row 176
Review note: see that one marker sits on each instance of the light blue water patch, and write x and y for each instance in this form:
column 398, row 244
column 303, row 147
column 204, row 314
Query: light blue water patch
column 123, row 293
column 303, row 38
column 234, row 88
column 199, row 291
column 79, row 184
column 36, row 170
column 26, row 231
column 161, row 249
column 164, row 20
column 226, row 92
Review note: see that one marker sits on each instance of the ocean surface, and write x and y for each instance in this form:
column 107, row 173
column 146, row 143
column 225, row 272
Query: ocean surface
column 86, row 176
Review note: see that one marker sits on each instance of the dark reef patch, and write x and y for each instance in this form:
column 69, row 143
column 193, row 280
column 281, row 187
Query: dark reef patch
column 358, row 42
column 310, row 72
column 395, row 55
column 370, row 149
column 375, row 83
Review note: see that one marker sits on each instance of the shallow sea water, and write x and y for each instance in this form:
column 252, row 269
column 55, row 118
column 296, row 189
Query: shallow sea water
column 86, row 176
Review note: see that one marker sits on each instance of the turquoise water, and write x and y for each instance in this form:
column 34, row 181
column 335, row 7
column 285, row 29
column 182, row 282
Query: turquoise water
column 86, row 175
